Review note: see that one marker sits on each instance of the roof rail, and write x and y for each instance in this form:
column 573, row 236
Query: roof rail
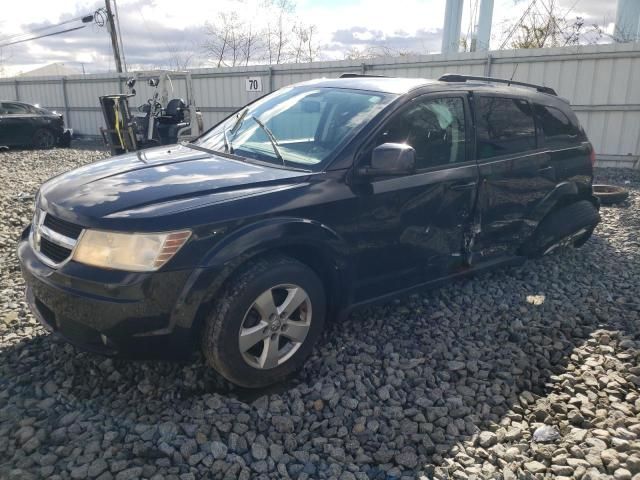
column 455, row 77
column 358, row 75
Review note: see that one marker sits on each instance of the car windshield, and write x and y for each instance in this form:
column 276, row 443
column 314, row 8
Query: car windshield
column 299, row 127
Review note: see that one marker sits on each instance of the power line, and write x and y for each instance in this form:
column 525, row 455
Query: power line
column 84, row 18
column 42, row 36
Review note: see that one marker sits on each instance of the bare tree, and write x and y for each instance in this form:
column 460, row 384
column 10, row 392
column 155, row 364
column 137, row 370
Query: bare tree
column 252, row 42
column 543, row 26
column 180, row 57
column 225, row 39
column 304, row 45
column 279, row 28
column 313, row 49
column 377, row 51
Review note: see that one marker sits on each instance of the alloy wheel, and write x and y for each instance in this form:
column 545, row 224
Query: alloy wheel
column 275, row 326
column 566, row 241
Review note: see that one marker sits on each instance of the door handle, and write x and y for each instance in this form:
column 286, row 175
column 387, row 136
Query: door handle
column 463, row 186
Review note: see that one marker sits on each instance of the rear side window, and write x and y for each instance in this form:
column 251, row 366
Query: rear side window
column 504, row 126
column 15, row 108
column 555, row 125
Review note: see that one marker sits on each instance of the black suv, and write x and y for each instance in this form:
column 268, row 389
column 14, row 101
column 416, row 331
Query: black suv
column 314, row 199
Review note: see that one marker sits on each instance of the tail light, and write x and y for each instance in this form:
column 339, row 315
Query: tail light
column 592, row 157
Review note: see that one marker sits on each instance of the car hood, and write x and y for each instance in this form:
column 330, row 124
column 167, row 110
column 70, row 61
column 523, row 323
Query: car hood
column 157, row 182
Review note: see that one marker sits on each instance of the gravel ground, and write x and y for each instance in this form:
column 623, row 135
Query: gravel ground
column 527, row 372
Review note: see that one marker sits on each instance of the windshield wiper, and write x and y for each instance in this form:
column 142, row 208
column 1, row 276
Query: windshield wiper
column 228, row 147
column 272, row 139
column 237, row 123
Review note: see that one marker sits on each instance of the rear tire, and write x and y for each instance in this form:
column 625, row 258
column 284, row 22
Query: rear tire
column 568, row 226
column 43, row 138
column 266, row 322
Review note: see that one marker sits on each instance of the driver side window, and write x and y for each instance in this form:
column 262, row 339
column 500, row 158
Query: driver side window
column 434, row 127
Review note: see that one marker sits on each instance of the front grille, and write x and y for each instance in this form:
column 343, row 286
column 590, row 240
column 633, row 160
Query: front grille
column 62, row 227
column 54, row 251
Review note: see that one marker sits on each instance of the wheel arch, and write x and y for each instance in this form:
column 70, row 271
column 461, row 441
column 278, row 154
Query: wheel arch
column 314, row 244
column 562, row 195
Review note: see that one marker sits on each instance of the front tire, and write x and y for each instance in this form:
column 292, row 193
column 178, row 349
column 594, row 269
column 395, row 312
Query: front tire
column 266, row 322
column 43, row 138
column 568, row 226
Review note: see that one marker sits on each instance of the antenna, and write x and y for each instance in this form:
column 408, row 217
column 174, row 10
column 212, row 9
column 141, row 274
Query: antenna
column 515, row 69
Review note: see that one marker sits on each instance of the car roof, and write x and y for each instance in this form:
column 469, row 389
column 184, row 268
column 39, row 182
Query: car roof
column 400, row 86
column 371, row 83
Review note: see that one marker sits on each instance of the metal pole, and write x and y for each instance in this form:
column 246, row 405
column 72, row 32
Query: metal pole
column 484, row 25
column 15, row 84
column 487, row 67
column 114, row 36
column 452, row 26
column 270, row 79
column 627, row 27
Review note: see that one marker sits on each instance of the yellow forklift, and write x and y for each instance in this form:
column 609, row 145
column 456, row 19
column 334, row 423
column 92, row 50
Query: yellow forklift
column 159, row 121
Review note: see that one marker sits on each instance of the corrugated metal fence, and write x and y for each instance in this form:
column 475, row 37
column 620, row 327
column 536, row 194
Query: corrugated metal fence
column 601, row 81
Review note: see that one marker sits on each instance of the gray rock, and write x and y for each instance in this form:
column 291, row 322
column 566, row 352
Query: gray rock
column 622, row 474
column 258, row 451
column 407, row 459
column 456, row 365
column 97, row 467
column 132, row 473
column 282, row 424
column 487, row 439
column 546, row 434
column 79, row 472
column 383, row 455
column 535, row 467
column 218, row 450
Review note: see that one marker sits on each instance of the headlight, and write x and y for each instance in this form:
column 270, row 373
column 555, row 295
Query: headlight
column 134, row 252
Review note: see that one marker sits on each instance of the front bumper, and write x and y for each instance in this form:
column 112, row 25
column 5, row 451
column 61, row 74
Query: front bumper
column 108, row 312
column 64, row 140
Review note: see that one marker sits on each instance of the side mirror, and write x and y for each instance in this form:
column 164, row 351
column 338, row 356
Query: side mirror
column 391, row 159
column 153, row 82
column 131, row 82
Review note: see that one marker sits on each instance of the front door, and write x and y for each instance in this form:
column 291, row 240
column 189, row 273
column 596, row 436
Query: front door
column 515, row 173
column 16, row 124
column 411, row 229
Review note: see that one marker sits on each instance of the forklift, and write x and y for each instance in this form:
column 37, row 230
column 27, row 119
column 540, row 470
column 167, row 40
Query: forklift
column 159, row 121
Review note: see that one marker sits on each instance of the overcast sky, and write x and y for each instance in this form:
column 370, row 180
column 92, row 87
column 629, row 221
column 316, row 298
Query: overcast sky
column 151, row 29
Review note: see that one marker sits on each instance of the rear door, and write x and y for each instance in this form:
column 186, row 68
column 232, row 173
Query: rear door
column 515, row 172
column 411, row 229
column 564, row 140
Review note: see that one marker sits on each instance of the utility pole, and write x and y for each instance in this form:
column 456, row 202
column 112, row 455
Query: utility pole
column 124, row 60
column 114, row 36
